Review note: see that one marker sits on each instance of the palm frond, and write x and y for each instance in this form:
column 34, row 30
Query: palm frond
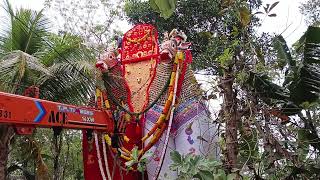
column 19, row 68
column 67, row 84
column 72, row 66
column 26, row 31
column 66, row 48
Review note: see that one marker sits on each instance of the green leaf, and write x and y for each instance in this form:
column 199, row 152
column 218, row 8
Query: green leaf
column 220, row 175
column 303, row 145
column 165, row 7
column 299, row 45
column 245, row 16
column 154, row 5
column 266, row 89
column 206, row 175
column 25, row 32
column 175, row 156
column 135, row 153
column 305, row 87
column 259, row 12
column 283, row 52
column 141, row 167
column 174, row 166
column 273, row 5
column 130, row 163
column 272, row 15
column 266, row 8
column 19, row 67
column 185, row 168
column 312, row 45
column 232, row 176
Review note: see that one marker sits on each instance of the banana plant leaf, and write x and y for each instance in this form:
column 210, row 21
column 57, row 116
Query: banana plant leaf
column 266, row 89
column 304, row 81
column 306, row 84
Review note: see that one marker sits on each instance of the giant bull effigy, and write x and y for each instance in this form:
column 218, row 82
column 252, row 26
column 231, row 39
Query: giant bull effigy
column 151, row 93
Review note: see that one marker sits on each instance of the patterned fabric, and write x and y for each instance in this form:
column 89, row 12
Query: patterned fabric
column 190, row 119
column 140, row 43
column 189, row 135
column 184, row 113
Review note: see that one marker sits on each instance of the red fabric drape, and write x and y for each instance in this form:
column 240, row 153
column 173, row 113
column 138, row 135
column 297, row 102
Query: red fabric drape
column 91, row 166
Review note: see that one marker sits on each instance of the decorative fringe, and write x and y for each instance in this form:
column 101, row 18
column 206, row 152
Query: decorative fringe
column 105, row 158
column 99, row 156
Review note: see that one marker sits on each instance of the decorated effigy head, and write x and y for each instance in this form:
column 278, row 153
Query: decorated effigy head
column 174, row 41
column 107, row 60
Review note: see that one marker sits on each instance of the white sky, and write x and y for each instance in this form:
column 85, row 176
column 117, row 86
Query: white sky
column 289, row 21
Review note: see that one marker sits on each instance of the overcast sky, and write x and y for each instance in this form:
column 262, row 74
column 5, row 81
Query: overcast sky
column 289, row 20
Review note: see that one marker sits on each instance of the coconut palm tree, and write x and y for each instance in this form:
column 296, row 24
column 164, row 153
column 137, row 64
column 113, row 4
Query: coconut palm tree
column 30, row 55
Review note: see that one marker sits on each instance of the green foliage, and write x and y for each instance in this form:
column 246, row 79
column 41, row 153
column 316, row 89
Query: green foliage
column 307, row 79
column 226, row 58
column 224, row 43
column 311, row 10
column 72, row 68
column 299, row 94
column 135, row 161
column 267, row 9
column 164, row 7
column 242, row 77
column 283, row 52
column 32, row 56
column 20, row 68
column 266, row 147
column 194, row 166
column 70, row 159
column 244, row 16
column 248, row 145
column 303, row 78
column 265, row 88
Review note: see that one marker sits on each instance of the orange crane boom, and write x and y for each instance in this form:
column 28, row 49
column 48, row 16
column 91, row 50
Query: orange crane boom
column 27, row 111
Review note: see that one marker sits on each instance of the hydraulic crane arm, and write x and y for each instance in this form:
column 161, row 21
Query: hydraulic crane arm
column 26, row 111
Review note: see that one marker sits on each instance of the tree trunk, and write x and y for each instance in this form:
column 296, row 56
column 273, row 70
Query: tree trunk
column 6, row 132
column 66, row 161
column 57, row 146
column 230, row 117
